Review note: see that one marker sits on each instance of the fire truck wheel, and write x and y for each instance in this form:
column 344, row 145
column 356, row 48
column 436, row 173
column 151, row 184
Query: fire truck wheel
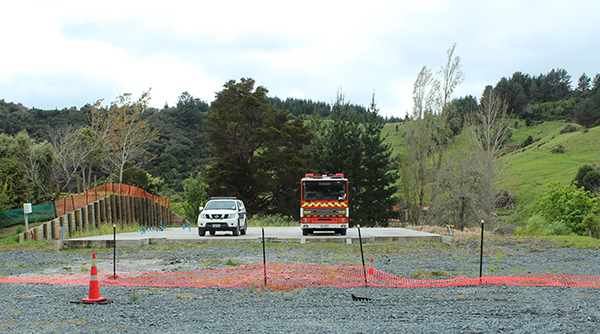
column 213, row 232
column 343, row 231
column 201, row 232
column 236, row 231
column 304, row 232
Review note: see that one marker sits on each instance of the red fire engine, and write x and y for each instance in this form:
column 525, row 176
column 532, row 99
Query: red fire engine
column 324, row 203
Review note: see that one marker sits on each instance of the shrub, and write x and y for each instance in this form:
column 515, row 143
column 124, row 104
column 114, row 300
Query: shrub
column 20, row 229
column 592, row 223
column 527, row 141
column 568, row 128
column 535, row 225
column 566, row 204
column 196, row 195
column 556, row 228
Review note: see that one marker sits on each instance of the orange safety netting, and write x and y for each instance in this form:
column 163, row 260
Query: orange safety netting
column 287, row 276
column 72, row 203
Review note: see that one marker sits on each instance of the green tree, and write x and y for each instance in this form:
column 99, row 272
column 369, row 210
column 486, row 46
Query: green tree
column 258, row 152
column 138, row 177
column 596, row 82
column 196, row 195
column 182, row 149
column 336, row 147
column 14, row 190
column 568, row 204
column 583, row 84
column 347, row 144
column 587, row 112
column 588, row 177
column 376, row 185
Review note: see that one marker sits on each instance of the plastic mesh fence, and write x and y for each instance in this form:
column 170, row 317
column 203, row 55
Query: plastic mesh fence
column 40, row 213
column 70, row 204
column 288, row 276
column 46, row 212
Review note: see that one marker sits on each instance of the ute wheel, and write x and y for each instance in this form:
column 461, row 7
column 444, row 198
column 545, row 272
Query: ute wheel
column 243, row 231
column 304, row 232
column 236, row 231
column 343, row 231
column 201, row 232
column 213, row 232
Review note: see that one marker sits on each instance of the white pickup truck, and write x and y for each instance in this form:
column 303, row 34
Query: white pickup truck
column 222, row 214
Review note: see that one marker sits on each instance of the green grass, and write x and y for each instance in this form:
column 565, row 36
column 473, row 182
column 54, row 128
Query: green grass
column 529, row 170
column 273, row 220
column 572, row 241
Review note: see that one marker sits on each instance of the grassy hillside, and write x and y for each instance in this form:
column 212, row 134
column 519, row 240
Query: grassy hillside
column 529, row 170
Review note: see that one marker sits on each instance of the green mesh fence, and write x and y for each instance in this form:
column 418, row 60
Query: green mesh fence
column 40, row 213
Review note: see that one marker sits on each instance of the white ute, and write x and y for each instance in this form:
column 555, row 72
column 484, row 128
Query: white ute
column 222, row 214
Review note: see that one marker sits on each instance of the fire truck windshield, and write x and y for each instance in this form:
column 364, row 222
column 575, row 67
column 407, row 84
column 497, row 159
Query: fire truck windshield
column 324, row 190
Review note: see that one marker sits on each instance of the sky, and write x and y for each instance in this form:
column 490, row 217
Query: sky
column 62, row 54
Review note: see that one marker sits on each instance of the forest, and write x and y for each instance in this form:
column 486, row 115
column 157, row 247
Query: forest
column 256, row 147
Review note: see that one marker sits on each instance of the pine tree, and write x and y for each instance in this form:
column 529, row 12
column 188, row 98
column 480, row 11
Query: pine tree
column 376, row 184
column 346, row 145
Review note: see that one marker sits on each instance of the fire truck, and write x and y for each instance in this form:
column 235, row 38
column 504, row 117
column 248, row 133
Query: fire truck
column 323, row 203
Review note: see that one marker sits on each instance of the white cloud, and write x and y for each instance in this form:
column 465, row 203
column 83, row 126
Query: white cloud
column 65, row 53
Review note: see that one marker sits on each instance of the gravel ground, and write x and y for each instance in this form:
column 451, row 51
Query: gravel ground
column 41, row 308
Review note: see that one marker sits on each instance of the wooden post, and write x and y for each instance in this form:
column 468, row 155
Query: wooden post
column 85, row 218
column 78, row 226
column 102, row 204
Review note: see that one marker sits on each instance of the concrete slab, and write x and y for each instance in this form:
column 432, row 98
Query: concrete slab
column 254, row 234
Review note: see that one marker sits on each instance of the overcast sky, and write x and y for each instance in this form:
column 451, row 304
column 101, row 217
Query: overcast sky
column 58, row 54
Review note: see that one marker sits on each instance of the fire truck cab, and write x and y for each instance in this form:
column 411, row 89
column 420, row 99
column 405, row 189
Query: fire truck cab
column 324, row 203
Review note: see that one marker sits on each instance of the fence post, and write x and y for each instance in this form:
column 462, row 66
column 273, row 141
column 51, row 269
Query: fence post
column 130, row 214
column 481, row 250
column 85, row 218
column 111, row 208
column 102, row 211
column 93, row 209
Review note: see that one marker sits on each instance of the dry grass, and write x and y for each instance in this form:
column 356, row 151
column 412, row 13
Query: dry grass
column 467, row 233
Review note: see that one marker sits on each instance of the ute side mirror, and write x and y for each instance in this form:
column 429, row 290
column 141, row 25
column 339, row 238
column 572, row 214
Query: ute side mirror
column 353, row 189
column 201, row 208
column 297, row 193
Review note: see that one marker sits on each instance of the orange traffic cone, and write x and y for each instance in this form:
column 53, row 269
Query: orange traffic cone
column 94, row 296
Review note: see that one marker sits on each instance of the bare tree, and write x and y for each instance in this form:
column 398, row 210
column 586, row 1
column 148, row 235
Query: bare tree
column 488, row 130
column 38, row 161
column 460, row 183
column 122, row 131
column 451, row 76
column 53, row 166
column 419, row 138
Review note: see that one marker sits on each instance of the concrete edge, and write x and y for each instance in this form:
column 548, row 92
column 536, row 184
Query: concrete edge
column 91, row 243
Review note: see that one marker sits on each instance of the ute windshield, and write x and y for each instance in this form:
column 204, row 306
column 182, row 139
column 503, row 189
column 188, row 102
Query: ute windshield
column 220, row 205
column 324, row 190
